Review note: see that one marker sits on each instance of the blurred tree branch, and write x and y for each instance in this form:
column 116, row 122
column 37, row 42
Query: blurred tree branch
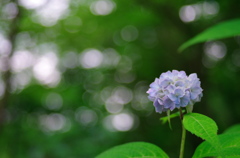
column 6, row 75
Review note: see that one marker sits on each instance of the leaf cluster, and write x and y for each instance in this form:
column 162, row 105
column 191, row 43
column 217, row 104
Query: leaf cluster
column 223, row 145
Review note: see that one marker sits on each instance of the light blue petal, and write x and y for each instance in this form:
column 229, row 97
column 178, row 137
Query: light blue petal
column 151, row 98
column 195, row 92
column 179, row 92
column 154, row 85
column 179, row 84
column 170, row 89
column 165, row 75
column 168, row 104
column 182, row 74
column 158, row 107
column 175, row 72
column 172, row 97
column 184, row 101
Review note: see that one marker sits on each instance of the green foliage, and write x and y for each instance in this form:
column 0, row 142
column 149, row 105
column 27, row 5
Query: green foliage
column 202, row 126
column 219, row 31
column 230, row 146
column 224, row 145
column 233, row 129
column 134, row 150
column 173, row 115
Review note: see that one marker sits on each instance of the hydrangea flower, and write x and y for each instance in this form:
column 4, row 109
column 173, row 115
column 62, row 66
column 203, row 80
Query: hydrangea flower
column 174, row 90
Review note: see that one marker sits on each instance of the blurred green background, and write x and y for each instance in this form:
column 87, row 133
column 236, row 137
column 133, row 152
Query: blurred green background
column 74, row 73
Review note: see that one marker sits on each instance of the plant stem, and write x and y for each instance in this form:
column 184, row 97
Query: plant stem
column 182, row 142
column 183, row 136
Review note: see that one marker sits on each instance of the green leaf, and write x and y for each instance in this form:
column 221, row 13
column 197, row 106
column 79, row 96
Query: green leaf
column 233, row 129
column 202, row 126
column 134, row 150
column 222, row 30
column 230, row 147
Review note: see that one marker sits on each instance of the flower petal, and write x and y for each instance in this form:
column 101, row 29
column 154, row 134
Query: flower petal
column 168, row 104
column 158, row 107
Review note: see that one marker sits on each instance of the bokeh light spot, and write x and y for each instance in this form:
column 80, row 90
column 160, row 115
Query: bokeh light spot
column 187, row 13
column 111, row 57
column 51, row 12
column 20, row 80
column 122, row 95
column 32, row 4
column 102, row 7
column 215, row 50
column 112, row 106
column 210, row 8
column 54, row 122
column 72, row 24
column 129, row 33
column 86, row 116
column 123, row 122
column 91, row 58
column 10, row 10
column 21, row 60
column 54, row 101
column 45, row 69
column 5, row 45
column 70, row 60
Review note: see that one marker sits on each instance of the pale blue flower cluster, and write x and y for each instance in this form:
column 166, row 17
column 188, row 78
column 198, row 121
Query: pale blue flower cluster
column 174, row 90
